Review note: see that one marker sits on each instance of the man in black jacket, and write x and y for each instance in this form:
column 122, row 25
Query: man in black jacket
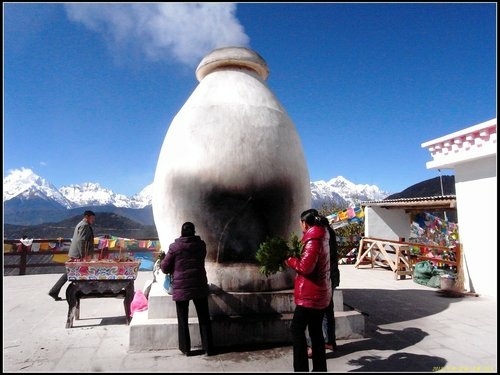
column 329, row 320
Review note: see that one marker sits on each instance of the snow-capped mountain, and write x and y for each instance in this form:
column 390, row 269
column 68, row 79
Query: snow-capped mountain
column 342, row 192
column 23, row 185
column 92, row 194
column 143, row 198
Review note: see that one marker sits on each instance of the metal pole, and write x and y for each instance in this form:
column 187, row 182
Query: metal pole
column 442, row 191
column 441, row 181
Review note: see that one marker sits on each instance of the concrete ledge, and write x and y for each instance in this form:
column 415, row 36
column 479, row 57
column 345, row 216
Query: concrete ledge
column 161, row 305
column 160, row 334
column 238, row 318
column 349, row 325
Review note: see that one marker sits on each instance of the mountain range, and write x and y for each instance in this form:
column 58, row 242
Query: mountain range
column 32, row 200
column 34, row 206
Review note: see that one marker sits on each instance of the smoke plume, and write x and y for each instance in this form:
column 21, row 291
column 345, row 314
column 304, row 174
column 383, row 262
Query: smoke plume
column 184, row 32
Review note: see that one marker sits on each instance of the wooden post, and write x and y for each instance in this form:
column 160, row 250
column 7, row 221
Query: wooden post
column 24, row 257
column 460, row 280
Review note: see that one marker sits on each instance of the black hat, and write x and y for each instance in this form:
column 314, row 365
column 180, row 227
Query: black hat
column 89, row 213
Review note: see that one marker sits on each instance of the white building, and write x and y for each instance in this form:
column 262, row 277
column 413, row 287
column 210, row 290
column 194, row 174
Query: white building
column 472, row 152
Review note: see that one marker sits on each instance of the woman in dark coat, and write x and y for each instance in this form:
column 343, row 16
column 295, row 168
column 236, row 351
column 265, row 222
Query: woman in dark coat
column 329, row 321
column 185, row 261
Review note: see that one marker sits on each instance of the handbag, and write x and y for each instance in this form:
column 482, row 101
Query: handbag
column 167, row 284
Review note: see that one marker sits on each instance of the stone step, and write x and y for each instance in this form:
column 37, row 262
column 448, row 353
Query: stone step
column 238, row 318
column 161, row 305
column 161, row 334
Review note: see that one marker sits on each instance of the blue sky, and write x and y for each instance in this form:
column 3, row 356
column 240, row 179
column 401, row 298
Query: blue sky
column 90, row 89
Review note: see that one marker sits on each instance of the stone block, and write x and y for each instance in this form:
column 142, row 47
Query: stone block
column 160, row 334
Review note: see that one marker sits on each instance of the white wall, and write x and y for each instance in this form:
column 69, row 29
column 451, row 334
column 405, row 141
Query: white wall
column 387, row 224
column 476, row 191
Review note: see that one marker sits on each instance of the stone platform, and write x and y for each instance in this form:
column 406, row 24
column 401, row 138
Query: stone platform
column 238, row 318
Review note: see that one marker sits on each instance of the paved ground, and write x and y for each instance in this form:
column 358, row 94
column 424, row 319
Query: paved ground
column 409, row 328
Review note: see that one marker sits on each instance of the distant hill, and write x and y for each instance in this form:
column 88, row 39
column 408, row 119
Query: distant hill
column 38, row 211
column 106, row 223
column 428, row 188
column 432, row 188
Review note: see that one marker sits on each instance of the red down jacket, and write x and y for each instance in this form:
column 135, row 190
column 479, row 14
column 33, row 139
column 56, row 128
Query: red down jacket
column 313, row 288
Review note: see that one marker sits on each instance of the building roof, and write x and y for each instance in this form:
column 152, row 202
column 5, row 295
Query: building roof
column 475, row 142
column 420, row 203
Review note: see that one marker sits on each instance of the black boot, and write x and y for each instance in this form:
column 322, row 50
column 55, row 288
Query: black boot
column 55, row 296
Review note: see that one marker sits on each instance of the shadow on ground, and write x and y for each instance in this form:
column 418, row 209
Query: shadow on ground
column 108, row 321
column 383, row 306
column 399, row 362
column 390, row 340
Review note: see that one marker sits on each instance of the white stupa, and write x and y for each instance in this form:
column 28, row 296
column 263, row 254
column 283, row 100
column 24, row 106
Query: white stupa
column 233, row 164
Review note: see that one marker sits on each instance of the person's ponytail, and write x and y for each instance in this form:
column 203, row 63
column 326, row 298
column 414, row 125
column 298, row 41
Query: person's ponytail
column 311, row 217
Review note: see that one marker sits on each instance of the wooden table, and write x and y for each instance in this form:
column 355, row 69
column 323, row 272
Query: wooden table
column 397, row 255
column 97, row 289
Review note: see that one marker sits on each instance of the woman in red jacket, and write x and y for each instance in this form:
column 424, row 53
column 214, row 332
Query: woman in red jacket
column 312, row 293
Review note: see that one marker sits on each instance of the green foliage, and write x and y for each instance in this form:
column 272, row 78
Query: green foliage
column 272, row 253
column 354, row 230
column 295, row 245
